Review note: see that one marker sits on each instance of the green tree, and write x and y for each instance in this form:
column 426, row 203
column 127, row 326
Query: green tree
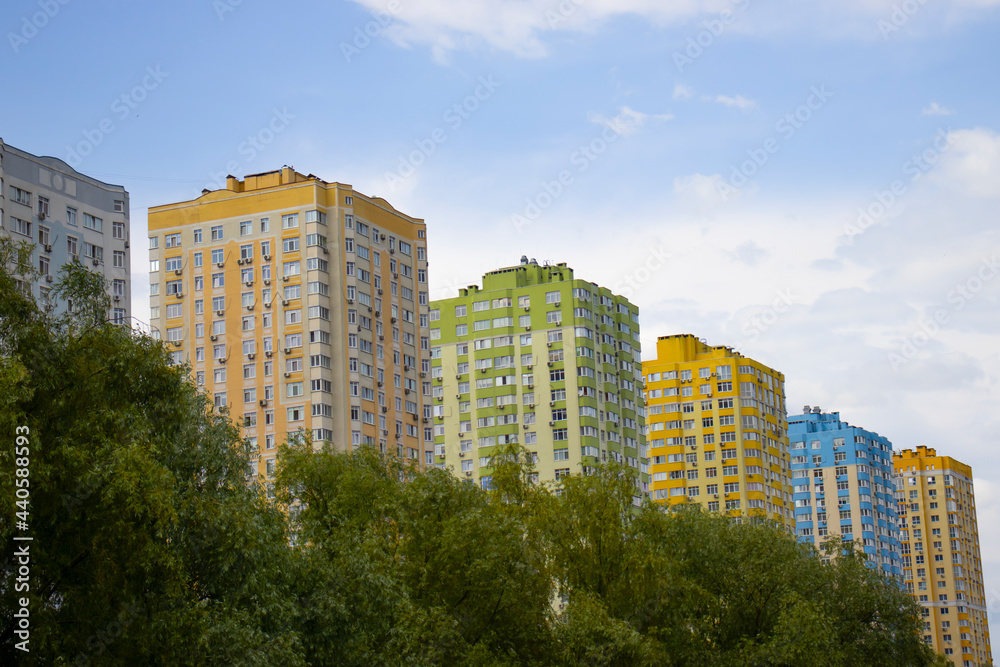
column 149, row 547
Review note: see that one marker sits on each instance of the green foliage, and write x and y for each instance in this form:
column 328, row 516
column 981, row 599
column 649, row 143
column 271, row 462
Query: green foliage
column 151, row 548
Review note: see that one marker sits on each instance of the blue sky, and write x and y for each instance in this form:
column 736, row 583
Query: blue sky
column 891, row 319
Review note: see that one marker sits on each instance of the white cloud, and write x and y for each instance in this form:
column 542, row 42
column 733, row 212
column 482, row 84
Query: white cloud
column 972, row 164
column 700, row 188
column 737, row 101
column 519, row 26
column 628, row 121
column 682, row 92
column 935, row 110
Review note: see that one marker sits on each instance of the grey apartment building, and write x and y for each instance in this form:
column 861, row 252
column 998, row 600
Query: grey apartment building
column 66, row 216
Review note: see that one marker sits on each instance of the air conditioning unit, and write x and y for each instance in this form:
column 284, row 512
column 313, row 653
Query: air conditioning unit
column 220, row 313
column 284, row 302
column 284, row 279
column 117, row 298
column 468, row 473
column 41, row 215
column 177, row 343
column 552, row 404
column 287, row 374
column 251, row 356
column 527, row 308
column 395, row 275
column 380, row 292
column 440, row 398
column 482, row 370
column 267, row 281
column 268, row 353
column 350, row 301
column 126, row 244
column 213, row 337
column 393, row 320
column 266, row 257
column 49, row 278
column 378, row 313
column 501, row 407
column 267, row 304
column 250, row 307
column 525, row 426
column 549, row 344
column 406, row 391
column 528, row 328
column 263, row 402
column 557, row 304
column 177, row 272
column 240, row 261
column 458, row 377
column 392, row 251
column 325, row 250
column 248, row 260
column 461, row 455
column 385, row 409
column 221, row 265
column 222, row 360
column 48, row 247
column 179, row 294
column 97, row 262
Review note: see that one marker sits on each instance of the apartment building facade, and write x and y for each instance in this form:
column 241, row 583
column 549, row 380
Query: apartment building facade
column 717, row 430
column 542, row 359
column 942, row 564
column 302, row 307
column 66, row 216
column 844, row 486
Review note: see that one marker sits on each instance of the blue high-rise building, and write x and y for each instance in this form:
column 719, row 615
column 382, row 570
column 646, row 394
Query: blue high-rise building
column 842, row 477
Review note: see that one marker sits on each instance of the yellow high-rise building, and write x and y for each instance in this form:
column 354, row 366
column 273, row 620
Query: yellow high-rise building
column 717, row 430
column 302, row 306
column 942, row 567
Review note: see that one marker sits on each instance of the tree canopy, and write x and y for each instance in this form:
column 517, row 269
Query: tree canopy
column 151, row 547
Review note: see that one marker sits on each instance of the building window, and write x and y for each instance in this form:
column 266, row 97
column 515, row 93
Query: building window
column 91, row 222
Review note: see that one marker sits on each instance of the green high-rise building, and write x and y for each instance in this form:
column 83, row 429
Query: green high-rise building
column 542, row 359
